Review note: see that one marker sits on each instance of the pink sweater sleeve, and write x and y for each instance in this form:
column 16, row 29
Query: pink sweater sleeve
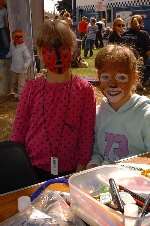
column 22, row 118
column 86, row 137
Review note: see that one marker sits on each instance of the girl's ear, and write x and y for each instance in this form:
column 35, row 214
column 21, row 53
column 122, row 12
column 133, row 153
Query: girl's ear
column 39, row 51
column 135, row 79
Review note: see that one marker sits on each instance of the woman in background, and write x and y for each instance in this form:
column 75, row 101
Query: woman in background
column 118, row 30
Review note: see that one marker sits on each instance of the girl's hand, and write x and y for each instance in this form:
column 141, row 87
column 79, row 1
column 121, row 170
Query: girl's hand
column 91, row 165
column 80, row 168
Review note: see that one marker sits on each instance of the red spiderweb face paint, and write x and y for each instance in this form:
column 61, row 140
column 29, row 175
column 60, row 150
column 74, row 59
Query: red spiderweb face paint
column 57, row 60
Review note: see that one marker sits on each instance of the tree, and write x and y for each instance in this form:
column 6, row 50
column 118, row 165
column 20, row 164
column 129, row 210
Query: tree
column 64, row 4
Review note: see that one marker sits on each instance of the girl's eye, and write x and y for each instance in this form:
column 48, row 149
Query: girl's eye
column 120, row 77
column 104, row 77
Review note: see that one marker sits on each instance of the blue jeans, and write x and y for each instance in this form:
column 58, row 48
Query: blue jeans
column 4, row 38
column 89, row 44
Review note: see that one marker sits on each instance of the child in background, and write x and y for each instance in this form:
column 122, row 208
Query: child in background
column 21, row 61
column 123, row 117
column 56, row 116
column 90, row 37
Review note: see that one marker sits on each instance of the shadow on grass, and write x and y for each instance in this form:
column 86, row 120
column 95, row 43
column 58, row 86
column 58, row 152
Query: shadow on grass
column 90, row 71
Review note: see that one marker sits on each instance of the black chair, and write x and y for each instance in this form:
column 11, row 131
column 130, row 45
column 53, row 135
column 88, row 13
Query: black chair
column 15, row 168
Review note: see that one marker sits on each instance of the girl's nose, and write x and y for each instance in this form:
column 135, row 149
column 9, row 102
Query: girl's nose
column 113, row 83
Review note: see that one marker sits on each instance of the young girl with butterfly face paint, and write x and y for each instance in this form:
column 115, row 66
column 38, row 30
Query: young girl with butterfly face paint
column 56, row 116
column 123, row 117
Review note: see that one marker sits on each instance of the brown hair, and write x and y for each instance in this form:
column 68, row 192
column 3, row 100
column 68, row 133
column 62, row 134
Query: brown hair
column 117, row 54
column 56, row 31
column 116, row 20
column 17, row 30
column 66, row 14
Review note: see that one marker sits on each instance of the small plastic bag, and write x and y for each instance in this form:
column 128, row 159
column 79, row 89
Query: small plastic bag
column 49, row 209
column 53, row 203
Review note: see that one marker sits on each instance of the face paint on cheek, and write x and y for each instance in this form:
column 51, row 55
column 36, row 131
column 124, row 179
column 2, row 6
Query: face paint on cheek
column 18, row 41
column 114, row 95
column 18, row 38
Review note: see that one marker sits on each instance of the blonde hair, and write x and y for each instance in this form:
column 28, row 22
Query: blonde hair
column 115, row 54
column 56, row 31
column 139, row 18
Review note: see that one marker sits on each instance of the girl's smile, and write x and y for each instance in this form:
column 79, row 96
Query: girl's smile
column 114, row 95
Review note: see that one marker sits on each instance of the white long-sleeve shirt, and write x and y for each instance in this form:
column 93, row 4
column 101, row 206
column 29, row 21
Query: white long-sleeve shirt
column 21, row 58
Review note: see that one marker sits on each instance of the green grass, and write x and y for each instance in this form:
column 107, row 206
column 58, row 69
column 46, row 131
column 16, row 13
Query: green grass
column 87, row 72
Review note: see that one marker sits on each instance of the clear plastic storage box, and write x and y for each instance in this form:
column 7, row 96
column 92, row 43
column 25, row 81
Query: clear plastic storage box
column 87, row 183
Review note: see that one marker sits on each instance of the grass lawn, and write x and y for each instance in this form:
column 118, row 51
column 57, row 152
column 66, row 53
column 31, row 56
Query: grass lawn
column 87, row 72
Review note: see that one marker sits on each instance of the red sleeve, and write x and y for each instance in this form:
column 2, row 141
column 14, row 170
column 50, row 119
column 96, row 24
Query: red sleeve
column 86, row 136
column 21, row 122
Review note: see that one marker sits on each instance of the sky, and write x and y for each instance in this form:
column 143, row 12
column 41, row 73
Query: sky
column 49, row 5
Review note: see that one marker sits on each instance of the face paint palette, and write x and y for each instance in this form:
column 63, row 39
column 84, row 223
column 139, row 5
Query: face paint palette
column 86, row 183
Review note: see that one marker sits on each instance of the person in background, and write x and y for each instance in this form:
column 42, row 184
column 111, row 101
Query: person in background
column 20, row 62
column 37, row 60
column 139, row 40
column 106, row 35
column 123, row 117
column 90, row 37
column 4, row 37
column 61, row 14
column 67, row 18
column 99, row 34
column 55, row 117
column 118, row 30
column 82, row 27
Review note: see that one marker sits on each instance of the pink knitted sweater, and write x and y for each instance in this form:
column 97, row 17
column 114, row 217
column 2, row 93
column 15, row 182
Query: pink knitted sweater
column 56, row 119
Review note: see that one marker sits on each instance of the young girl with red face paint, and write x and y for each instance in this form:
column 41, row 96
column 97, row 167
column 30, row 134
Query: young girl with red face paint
column 56, row 116
column 123, row 117
column 20, row 62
